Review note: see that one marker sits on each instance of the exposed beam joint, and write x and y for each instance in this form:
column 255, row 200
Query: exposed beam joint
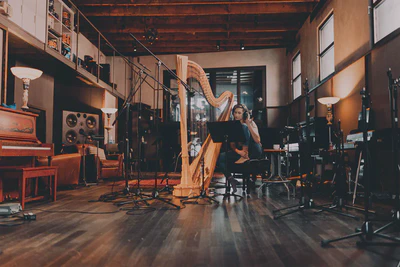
column 197, row 10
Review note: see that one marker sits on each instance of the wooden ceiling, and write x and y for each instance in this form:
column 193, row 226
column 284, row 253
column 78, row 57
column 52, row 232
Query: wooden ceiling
column 186, row 26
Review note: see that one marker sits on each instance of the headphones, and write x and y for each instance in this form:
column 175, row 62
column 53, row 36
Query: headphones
column 245, row 110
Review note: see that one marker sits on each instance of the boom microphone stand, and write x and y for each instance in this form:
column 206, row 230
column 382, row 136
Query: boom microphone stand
column 340, row 179
column 306, row 201
column 126, row 107
column 128, row 192
column 366, row 232
column 393, row 87
column 167, row 188
column 154, row 194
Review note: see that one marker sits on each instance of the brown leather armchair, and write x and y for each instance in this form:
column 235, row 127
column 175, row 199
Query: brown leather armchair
column 68, row 168
column 107, row 166
column 111, row 167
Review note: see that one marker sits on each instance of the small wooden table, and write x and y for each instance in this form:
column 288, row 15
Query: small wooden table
column 25, row 173
column 275, row 156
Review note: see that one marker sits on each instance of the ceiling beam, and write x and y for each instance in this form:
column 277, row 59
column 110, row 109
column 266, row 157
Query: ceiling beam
column 183, row 50
column 212, row 19
column 195, row 28
column 115, row 37
column 179, row 2
column 198, row 10
column 204, row 43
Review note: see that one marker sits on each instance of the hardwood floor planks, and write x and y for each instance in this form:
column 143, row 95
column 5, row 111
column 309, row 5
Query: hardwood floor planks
column 234, row 233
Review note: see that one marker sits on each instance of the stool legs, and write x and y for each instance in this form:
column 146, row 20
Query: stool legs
column 55, row 185
column 22, row 190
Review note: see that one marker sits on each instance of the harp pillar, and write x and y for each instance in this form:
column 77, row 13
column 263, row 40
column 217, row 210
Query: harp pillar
column 186, row 187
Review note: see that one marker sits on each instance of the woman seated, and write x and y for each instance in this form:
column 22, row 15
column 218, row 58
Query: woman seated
column 241, row 152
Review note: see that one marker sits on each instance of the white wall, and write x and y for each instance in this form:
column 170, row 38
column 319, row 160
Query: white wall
column 87, row 48
column 110, row 101
column 120, row 74
column 273, row 59
column 41, row 95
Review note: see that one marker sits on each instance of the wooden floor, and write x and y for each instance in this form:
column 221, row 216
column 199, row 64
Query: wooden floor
column 230, row 234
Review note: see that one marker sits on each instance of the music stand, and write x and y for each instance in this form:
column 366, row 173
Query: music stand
column 226, row 132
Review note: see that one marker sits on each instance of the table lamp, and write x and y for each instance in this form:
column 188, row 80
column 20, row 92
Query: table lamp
column 108, row 127
column 26, row 75
column 329, row 101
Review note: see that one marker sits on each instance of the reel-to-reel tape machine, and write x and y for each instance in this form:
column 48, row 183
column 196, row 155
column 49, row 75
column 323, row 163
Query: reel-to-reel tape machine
column 78, row 127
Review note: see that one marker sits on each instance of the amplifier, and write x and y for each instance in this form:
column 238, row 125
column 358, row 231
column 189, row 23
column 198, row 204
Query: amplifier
column 10, row 208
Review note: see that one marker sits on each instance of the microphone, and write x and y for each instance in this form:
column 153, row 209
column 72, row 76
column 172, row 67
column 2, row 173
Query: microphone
column 82, row 132
column 97, row 137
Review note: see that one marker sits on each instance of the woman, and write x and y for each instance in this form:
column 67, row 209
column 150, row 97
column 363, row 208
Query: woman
column 241, row 152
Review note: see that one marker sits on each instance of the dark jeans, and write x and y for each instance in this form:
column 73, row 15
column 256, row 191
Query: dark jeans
column 232, row 157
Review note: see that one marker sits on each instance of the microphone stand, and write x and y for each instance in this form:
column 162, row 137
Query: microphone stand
column 173, row 74
column 393, row 94
column 366, row 232
column 155, row 194
column 84, row 159
column 340, row 179
column 127, row 191
column 306, row 201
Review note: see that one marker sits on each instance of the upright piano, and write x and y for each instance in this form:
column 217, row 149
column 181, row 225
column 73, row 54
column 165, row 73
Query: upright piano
column 19, row 144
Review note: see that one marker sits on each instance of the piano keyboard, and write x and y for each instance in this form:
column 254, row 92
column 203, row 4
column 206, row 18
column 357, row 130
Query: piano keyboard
column 26, row 147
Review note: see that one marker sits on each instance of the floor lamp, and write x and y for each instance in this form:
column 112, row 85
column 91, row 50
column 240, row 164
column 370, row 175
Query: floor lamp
column 26, row 75
column 108, row 127
column 329, row 101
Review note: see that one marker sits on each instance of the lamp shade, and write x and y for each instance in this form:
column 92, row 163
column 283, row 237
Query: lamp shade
column 328, row 100
column 26, row 73
column 109, row 110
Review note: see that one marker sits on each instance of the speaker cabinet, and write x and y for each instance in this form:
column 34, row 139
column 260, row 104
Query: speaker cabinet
column 78, row 127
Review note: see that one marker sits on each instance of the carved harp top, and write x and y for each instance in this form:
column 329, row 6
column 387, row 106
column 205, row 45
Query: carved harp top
column 191, row 176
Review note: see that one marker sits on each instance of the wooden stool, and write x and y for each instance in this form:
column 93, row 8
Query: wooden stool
column 23, row 174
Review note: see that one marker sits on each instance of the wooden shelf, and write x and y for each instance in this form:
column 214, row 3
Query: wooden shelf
column 48, row 12
column 55, row 49
column 53, row 35
column 67, row 45
column 66, row 28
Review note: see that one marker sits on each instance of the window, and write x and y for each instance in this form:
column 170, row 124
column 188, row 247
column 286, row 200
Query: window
column 246, row 83
column 326, row 48
column 386, row 18
column 296, row 76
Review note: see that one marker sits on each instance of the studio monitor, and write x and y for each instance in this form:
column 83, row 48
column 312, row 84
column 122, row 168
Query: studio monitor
column 78, row 127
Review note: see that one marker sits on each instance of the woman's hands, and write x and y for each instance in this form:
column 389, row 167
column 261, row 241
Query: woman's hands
column 242, row 153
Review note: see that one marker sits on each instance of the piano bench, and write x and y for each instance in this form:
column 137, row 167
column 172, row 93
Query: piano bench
column 25, row 173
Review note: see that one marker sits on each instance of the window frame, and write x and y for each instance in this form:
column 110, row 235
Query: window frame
column 321, row 54
column 293, row 79
column 375, row 41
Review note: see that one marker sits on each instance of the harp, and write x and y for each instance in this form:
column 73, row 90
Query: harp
column 191, row 178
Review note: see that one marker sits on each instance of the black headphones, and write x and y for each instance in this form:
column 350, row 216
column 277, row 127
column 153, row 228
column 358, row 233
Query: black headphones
column 245, row 112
